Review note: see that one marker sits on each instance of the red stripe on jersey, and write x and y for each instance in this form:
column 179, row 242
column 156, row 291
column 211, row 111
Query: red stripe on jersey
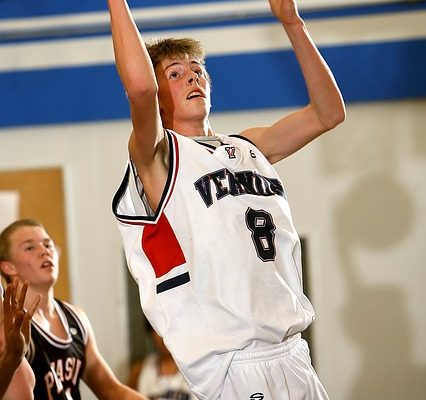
column 161, row 246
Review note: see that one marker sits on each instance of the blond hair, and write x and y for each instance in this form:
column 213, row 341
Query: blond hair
column 161, row 49
column 7, row 233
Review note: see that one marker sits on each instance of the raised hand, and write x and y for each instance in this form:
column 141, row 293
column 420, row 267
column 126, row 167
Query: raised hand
column 17, row 321
column 285, row 10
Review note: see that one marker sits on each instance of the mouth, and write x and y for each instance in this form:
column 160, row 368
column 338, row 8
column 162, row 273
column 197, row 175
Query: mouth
column 47, row 264
column 195, row 94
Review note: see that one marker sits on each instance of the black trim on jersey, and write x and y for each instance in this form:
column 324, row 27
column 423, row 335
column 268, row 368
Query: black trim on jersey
column 77, row 319
column 120, row 191
column 54, row 340
column 243, row 138
column 205, row 142
column 125, row 182
column 209, row 146
column 173, row 282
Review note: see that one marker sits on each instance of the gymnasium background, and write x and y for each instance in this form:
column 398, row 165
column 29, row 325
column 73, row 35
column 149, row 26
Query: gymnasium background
column 358, row 194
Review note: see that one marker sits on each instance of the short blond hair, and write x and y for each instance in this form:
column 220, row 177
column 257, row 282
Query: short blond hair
column 160, row 49
column 7, row 233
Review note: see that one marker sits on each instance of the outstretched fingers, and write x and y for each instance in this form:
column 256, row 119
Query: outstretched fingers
column 17, row 320
column 26, row 324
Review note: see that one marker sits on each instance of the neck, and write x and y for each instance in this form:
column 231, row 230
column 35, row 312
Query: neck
column 46, row 305
column 191, row 128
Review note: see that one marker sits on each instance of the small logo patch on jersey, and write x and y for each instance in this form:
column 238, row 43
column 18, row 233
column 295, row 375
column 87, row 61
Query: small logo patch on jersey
column 231, row 152
column 73, row 331
column 257, row 396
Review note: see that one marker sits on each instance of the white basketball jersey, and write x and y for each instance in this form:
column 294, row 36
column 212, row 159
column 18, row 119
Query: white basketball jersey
column 218, row 264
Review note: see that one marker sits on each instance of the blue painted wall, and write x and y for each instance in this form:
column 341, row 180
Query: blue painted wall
column 380, row 71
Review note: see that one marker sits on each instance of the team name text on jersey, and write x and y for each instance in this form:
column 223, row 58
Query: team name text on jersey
column 227, row 183
column 61, row 371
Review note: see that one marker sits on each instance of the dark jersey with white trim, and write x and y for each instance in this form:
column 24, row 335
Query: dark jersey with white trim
column 218, row 263
column 58, row 364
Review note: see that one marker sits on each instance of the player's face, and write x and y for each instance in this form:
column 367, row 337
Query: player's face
column 184, row 89
column 34, row 256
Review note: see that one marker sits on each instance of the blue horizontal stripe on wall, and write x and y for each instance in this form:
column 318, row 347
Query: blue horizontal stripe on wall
column 61, row 95
column 370, row 72
column 37, row 8
column 43, row 32
column 41, row 8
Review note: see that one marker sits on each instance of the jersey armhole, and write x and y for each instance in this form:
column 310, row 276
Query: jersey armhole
column 243, row 138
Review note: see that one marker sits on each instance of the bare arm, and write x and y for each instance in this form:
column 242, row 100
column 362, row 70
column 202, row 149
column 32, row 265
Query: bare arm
column 97, row 373
column 325, row 109
column 146, row 144
column 133, row 378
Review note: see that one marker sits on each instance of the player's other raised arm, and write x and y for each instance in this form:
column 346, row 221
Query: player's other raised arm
column 137, row 75
column 326, row 107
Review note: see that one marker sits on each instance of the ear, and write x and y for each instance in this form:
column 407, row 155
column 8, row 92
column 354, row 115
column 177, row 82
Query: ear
column 7, row 268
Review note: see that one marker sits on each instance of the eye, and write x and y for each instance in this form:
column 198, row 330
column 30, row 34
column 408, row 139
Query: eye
column 49, row 245
column 174, row 75
column 199, row 72
column 29, row 248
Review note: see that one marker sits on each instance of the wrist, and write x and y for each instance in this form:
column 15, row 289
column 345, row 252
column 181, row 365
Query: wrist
column 9, row 361
column 293, row 23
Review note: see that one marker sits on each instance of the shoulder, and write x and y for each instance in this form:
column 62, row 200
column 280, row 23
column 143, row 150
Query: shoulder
column 80, row 316
column 78, row 311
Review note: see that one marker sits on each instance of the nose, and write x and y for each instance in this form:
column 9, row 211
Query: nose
column 44, row 249
column 193, row 76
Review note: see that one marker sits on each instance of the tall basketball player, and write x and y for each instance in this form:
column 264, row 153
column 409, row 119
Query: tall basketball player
column 205, row 222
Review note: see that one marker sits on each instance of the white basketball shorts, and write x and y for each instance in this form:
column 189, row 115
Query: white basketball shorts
column 279, row 372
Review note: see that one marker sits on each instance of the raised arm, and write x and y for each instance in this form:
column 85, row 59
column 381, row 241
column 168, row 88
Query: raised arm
column 326, row 107
column 98, row 375
column 15, row 322
column 135, row 69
